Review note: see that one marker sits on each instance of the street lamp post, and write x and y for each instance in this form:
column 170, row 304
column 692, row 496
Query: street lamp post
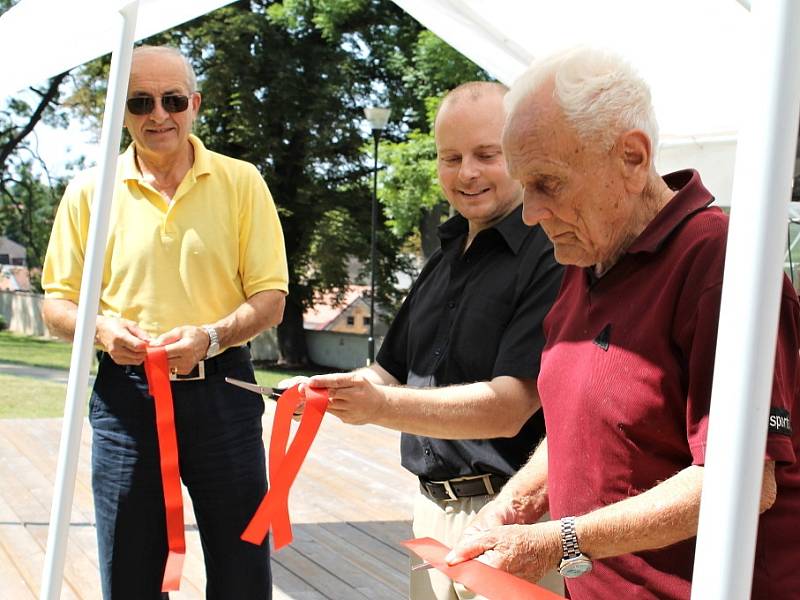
column 377, row 117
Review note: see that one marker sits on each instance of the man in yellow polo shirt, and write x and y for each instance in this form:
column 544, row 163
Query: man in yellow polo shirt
column 195, row 262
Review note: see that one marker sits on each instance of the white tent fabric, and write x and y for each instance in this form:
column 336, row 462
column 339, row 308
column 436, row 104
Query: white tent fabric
column 690, row 51
column 42, row 38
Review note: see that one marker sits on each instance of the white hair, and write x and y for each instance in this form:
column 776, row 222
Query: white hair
column 599, row 92
column 191, row 78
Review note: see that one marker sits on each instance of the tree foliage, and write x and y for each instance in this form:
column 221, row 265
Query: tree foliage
column 284, row 85
column 410, row 191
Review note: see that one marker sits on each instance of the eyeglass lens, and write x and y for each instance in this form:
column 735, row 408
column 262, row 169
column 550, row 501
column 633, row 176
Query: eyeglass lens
column 144, row 105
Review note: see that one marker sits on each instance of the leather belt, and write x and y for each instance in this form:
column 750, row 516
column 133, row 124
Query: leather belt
column 462, row 487
column 215, row 365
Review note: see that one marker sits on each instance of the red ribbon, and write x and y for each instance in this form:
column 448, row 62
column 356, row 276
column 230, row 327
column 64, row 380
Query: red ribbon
column 156, row 368
column 480, row 578
column 284, row 463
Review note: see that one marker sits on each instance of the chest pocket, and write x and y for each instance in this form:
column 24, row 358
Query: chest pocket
column 476, row 333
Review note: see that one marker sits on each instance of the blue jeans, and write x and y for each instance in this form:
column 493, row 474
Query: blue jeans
column 222, row 464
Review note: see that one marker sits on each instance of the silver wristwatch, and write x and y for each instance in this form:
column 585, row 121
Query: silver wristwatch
column 213, row 340
column 573, row 562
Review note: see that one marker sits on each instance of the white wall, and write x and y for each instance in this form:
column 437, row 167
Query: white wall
column 345, row 351
column 265, row 345
column 23, row 313
column 713, row 158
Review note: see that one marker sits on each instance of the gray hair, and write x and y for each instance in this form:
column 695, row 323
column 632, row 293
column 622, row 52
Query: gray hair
column 599, row 92
column 191, row 78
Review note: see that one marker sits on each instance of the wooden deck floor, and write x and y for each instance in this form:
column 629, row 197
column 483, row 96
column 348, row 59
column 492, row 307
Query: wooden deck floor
column 350, row 507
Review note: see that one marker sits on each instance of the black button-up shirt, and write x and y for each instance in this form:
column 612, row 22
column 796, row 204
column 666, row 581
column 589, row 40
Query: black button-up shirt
column 473, row 316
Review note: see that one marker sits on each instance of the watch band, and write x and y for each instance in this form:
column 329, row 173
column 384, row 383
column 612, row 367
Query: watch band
column 574, row 563
column 213, row 340
column 569, row 538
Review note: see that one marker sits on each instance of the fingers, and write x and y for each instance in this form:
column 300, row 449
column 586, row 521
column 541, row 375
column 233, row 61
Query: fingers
column 492, row 558
column 170, row 337
column 126, row 356
column 470, row 547
column 137, row 331
column 185, row 347
column 292, row 381
column 334, row 380
column 123, row 347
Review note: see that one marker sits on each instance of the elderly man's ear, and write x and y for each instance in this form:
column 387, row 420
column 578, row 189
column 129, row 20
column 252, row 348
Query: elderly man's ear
column 635, row 154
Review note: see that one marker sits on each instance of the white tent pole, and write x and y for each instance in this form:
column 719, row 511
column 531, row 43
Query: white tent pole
column 83, row 343
column 745, row 355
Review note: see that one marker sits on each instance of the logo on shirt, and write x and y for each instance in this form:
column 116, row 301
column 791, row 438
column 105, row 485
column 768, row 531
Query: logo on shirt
column 779, row 421
column 603, row 338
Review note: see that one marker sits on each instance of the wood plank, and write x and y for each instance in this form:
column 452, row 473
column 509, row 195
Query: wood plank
column 288, row 586
column 316, row 577
column 12, row 584
column 350, row 507
column 391, row 532
column 368, row 565
column 28, row 558
column 43, row 457
column 7, row 514
column 193, row 584
column 26, row 506
column 333, row 556
column 380, row 550
column 80, row 571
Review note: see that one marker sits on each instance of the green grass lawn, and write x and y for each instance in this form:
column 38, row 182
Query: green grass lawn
column 34, row 351
column 27, row 397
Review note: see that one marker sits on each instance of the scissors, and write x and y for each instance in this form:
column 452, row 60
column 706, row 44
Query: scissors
column 270, row 392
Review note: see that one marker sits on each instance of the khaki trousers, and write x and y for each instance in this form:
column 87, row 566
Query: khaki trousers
column 444, row 521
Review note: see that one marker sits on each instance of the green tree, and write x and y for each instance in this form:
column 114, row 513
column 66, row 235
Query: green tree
column 284, row 85
column 414, row 202
column 296, row 112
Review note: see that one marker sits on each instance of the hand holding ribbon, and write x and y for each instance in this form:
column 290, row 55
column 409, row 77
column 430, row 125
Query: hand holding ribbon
column 284, row 463
column 482, row 579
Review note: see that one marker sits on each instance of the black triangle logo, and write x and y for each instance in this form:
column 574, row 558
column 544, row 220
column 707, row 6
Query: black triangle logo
column 604, row 338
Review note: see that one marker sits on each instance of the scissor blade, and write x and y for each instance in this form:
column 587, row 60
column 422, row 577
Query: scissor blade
column 258, row 389
column 422, row 565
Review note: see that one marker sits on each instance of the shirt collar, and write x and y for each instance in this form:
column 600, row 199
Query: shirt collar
column 201, row 165
column 691, row 197
column 511, row 229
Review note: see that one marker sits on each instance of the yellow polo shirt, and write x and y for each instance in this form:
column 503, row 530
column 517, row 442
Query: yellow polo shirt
column 190, row 262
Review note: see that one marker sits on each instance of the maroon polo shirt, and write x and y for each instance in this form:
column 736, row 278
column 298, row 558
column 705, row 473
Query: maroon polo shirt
column 625, row 384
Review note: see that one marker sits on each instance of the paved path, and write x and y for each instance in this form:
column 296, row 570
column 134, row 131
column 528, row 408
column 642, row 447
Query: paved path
column 54, row 375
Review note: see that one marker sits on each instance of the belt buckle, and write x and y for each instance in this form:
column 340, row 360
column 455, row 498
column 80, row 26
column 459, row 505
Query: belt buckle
column 451, row 495
column 201, row 374
column 487, row 481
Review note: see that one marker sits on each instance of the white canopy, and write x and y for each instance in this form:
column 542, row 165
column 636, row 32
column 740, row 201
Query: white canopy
column 42, row 38
column 691, row 53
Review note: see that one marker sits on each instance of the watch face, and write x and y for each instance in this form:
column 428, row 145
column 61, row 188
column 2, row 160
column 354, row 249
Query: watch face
column 574, row 567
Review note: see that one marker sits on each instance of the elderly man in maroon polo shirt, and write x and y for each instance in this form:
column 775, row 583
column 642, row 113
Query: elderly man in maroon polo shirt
column 626, row 373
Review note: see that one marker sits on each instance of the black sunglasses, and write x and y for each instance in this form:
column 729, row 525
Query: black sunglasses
column 144, row 105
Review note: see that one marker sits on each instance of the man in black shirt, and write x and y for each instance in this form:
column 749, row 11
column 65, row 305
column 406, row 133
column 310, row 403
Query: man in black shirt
column 457, row 370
